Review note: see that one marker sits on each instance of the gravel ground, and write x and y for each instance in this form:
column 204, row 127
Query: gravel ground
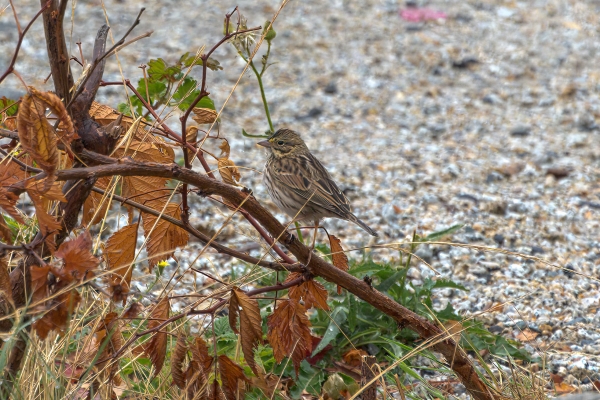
column 486, row 118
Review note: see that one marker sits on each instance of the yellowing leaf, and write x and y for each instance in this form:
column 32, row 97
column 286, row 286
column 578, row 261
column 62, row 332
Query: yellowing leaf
column 144, row 151
column 36, row 134
column 250, row 324
column 143, row 189
column 156, row 347
column 165, row 238
column 120, row 252
column 204, row 115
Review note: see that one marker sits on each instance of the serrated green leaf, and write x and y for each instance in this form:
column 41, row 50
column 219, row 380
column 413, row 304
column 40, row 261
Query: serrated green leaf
column 10, row 111
column 446, row 283
column 310, row 379
column 156, row 91
column 386, row 284
column 158, row 70
column 448, row 314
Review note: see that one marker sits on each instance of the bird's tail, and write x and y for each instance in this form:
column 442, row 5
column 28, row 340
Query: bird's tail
column 363, row 225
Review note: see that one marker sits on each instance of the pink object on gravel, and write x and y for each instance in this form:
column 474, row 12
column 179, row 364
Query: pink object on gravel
column 413, row 14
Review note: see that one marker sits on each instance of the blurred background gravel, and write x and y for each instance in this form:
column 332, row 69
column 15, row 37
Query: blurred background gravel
column 488, row 117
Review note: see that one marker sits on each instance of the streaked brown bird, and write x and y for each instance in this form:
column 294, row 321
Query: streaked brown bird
column 299, row 184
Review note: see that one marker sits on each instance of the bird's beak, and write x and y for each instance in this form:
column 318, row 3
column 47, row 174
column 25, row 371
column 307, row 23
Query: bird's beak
column 264, row 143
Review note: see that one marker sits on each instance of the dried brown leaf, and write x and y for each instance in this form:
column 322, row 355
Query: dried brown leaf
column 225, row 149
column 60, row 309
column 312, row 292
column 46, row 190
column 133, row 311
column 94, row 208
column 233, row 378
column 198, row 370
column 204, row 115
column 177, row 360
column 58, row 108
column 144, row 189
column 5, row 285
column 5, row 232
column 8, row 202
column 120, row 252
column 191, row 134
column 79, row 262
column 145, row 151
column 250, row 324
column 49, row 226
column 39, row 282
column 156, row 347
column 111, row 339
column 165, row 238
column 36, row 134
column 200, row 353
column 339, row 258
column 289, row 332
column 228, row 170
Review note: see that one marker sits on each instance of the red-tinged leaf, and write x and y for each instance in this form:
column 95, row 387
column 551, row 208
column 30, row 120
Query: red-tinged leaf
column 200, row 353
column 320, row 355
column 339, row 258
column 354, row 357
column 79, row 262
column 289, row 332
column 233, row 378
column 156, row 347
column 36, row 134
column 250, row 324
column 120, row 252
column 39, row 283
column 312, row 292
column 177, row 360
column 163, row 237
column 60, row 310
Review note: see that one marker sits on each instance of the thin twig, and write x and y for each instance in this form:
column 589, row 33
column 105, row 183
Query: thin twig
column 11, row 66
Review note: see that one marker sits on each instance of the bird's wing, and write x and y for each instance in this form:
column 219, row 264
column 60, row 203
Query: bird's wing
column 307, row 177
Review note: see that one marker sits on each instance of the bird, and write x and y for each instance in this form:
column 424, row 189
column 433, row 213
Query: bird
column 300, row 185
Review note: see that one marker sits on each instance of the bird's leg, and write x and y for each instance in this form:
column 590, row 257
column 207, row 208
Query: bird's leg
column 312, row 247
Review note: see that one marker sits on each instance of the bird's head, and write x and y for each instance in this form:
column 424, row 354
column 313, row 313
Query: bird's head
column 285, row 142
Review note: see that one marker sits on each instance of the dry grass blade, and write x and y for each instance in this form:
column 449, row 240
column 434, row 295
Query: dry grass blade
column 156, row 347
column 250, row 324
column 120, row 253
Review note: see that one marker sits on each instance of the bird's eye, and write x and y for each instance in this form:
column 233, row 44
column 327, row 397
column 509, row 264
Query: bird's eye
column 280, row 143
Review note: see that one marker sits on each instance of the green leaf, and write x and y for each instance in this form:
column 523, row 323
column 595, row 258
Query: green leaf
column 158, row 70
column 124, row 108
column 156, row 91
column 448, row 314
column 352, row 311
column 433, row 237
column 338, row 317
column 309, row 380
column 386, row 284
column 189, row 60
column 6, row 102
column 446, row 283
